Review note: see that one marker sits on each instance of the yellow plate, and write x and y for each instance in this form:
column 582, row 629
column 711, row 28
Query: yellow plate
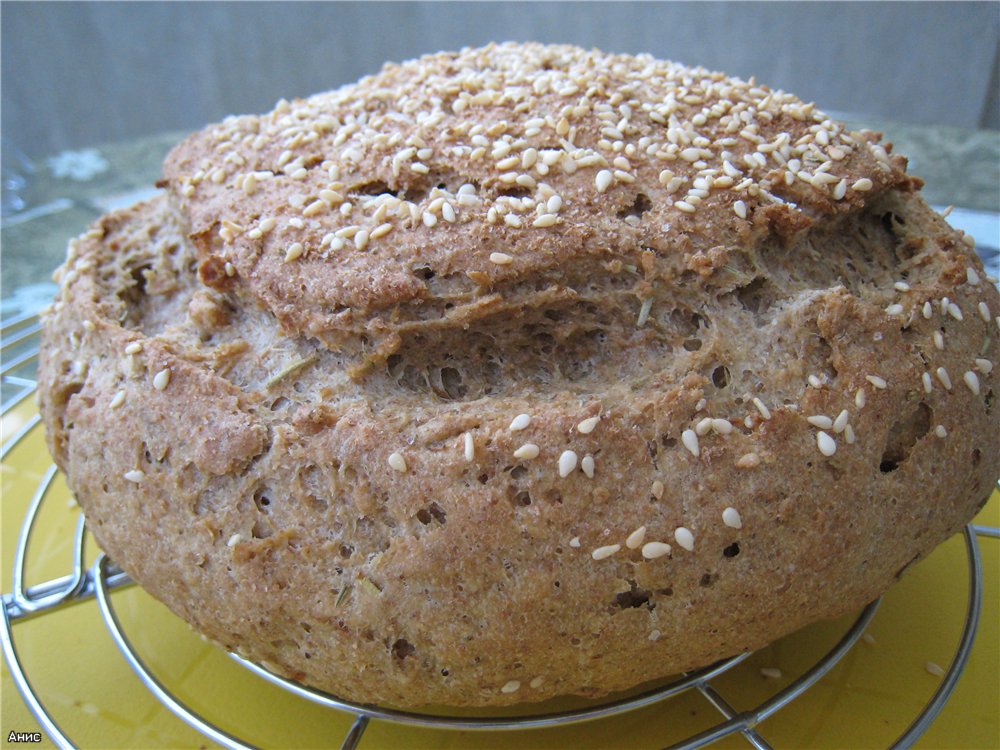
column 866, row 701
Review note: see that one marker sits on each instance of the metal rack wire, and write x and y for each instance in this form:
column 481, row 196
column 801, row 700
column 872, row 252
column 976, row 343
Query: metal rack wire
column 18, row 352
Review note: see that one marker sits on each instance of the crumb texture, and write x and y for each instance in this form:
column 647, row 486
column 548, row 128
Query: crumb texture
column 522, row 371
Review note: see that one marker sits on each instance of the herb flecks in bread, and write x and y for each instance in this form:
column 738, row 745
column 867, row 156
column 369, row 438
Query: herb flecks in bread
column 522, row 371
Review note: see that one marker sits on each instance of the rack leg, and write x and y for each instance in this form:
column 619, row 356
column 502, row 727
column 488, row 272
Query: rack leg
column 354, row 736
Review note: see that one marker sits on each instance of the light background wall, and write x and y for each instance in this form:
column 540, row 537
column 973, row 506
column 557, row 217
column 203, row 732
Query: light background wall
column 78, row 74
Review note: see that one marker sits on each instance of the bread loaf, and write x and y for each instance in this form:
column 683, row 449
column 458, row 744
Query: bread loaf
column 520, row 372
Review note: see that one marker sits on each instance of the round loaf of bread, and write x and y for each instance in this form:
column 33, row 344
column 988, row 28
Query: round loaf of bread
column 520, row 372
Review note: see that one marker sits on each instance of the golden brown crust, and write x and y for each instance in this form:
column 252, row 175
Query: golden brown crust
column 307, row 441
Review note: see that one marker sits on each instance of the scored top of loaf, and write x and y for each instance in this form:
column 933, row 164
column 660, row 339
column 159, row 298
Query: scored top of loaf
column 418, row 191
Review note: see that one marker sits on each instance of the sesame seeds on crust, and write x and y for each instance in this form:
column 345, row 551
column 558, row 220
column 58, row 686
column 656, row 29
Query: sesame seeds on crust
column 372, row 167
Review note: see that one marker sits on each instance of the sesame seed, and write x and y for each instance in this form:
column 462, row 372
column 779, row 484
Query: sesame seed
column 984, row 312
column 764, row 411
column 972, row 381
column 294, row 251
column 554, row 204
column 684, row 537
column 587, row 426
column 603, row 180
column 380, row 231
column 934, row 669
column 361, row 239
column 863, row 185
column 162, row 379
column 722, row 426
column 819, row 179
column 954, row 311
column 860, row 398
column 840, row 190
column 501, row 259
column 602, row 553
column 939, row 340
column 926, row 379
column 820, row 421
column 567, row 462
column 984, row 366
column 901, row 286
column 511, row 687
column 315, row 208
column 469, row 447
column 234, row 540
column 943, row 376
column 748, row 461
column 849, row 434
column 527, row 451
column 397, row 462
column 841, row 421
column 690, row 441
column 635, row 539
column 827, row 445
column 895, row 309
column 971, row 276
column 520, row 422
column 135, row 475
column 134, row 348
column 877, row 381
column 731, row 517
column 509, row 163
column 928, row 310
column 740, row 209
column 814, row 381
column 536, row 682
column 545, row 220
column 656, row 490
column 647, row 305
column 685, row 207
column 940, row 431
column 703, row 427
column 574, row 542
column 118, row 400
column 653, row 550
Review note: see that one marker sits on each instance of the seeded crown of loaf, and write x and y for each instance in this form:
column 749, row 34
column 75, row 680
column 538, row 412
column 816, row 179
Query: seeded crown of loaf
column 522, row 371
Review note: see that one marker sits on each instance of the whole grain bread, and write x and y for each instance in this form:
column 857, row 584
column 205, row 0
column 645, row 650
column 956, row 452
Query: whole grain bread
column 522, row 371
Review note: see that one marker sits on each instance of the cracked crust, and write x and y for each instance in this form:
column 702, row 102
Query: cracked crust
column 326, row 481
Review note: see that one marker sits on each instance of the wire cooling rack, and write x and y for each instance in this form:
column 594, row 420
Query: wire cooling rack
column 99, row 581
